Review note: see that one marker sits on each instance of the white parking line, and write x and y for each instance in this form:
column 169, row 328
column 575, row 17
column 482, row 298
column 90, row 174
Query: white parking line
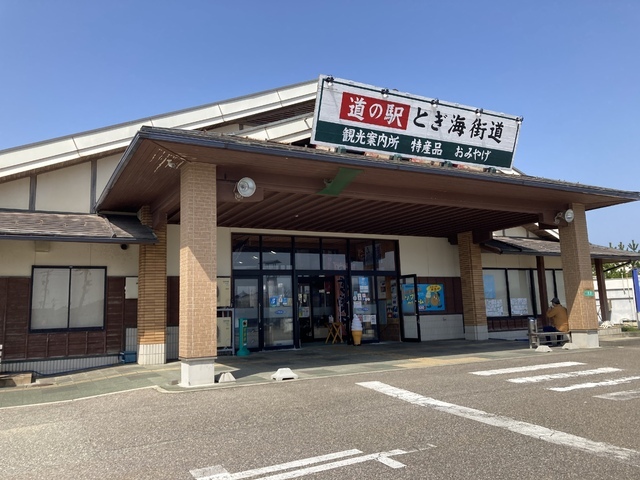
column 620, row 396
column 555, row 376
column 217, row 472
column 607, row 383
column 530, row 368
column 601, row 449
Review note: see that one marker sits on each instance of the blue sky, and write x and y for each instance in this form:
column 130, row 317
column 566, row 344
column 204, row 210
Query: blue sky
column 571, row 68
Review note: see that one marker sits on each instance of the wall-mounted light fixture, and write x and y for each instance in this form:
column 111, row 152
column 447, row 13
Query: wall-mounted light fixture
column 329, row 81
column 519, row 120
column 384, row 92
column 566, row 216
column 435, row 102
column 479, row 112
column 244, row 188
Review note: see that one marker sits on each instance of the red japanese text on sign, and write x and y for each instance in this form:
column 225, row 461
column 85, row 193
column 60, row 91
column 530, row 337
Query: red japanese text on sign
column 374, row 111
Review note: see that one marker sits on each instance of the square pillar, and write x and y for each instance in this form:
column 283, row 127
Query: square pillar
column 474, row 309
column 578, row 280
column 152, row 295
column 198, row 269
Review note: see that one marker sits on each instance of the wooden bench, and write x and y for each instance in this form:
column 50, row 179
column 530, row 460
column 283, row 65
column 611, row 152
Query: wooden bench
column 538, row 338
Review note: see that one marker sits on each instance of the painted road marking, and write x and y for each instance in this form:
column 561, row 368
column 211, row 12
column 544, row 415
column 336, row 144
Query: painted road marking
column 217, row 472
column 607, row 383
column 555, row 376
column 531, row 368
column 620, row 396
column 601, row 449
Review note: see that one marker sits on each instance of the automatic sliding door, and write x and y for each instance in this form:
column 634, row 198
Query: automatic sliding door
column 278, row 311
column 247, row 306
column 364, row 305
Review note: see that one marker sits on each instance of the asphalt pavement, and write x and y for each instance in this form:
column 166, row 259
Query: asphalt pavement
column 311, row 361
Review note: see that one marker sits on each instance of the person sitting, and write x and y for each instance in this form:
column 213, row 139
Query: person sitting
column 559, row 317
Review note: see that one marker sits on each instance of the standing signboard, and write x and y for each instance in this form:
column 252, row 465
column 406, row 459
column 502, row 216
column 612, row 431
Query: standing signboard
column 365, row 118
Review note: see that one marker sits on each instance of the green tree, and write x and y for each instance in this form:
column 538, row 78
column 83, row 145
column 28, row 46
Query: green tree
column 620, row 270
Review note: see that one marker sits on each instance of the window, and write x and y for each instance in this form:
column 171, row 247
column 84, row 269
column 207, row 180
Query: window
column 334, row 254
column 307, row 253
column 520, row 301
column 385, row 255
column 361, row 254
column 246, row 252
column 516, row 293
column 495, row 293
column 68, row 298
column 276, row 252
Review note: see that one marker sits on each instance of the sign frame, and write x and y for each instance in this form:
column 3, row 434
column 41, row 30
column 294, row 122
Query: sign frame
column 365, row 118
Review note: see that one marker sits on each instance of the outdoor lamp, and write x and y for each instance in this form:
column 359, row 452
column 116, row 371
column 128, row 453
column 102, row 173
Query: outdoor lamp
column 244, row 188
column 567, row 216
column 385, row 92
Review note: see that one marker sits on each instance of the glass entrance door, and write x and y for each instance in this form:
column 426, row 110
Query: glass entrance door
column 410, row 314
column 316, row 307
column 247, row 306
column 364, row 305
column 278, row 311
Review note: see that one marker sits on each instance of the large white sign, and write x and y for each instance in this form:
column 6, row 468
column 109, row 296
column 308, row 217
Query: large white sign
column 367, row 118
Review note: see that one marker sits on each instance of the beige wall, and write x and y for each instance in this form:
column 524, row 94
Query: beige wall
column 515, row 232
column 420, row 256
column 432, row 257
column 15, row 194
column 65, row 190
column 105, row 168
column 17, row 257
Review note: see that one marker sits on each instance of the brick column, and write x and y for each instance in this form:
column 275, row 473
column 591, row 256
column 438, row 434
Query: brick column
column 152, row 296
column 198, row 269
column 578, row 279
column 474, row 310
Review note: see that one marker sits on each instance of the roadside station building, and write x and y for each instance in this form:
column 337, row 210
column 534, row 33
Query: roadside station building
column 292, row 210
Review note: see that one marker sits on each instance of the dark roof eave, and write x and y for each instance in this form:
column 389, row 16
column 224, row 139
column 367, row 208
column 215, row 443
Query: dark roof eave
column 75, row 239
column 222, row 141
column 503, row 247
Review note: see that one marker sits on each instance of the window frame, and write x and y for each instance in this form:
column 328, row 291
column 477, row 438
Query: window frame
column 533, row 299
column 70, row 296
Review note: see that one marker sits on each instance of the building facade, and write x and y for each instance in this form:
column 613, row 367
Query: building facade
column 164, row 236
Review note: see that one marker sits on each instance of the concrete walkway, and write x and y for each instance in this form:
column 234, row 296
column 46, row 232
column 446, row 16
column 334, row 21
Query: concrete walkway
column 313, row 361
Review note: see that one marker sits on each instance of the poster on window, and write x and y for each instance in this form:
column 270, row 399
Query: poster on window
column 494, row 307
column 489, row 286
column 519, row 306
column 431, row 297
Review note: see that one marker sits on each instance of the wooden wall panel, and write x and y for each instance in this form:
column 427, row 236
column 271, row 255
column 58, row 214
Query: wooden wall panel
column 36, row 346
column 4, row 283
column 77, row 343
column 56, row 344
column 17, row 318
column 113, row 335
column 20, row 344
column 173, row 301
